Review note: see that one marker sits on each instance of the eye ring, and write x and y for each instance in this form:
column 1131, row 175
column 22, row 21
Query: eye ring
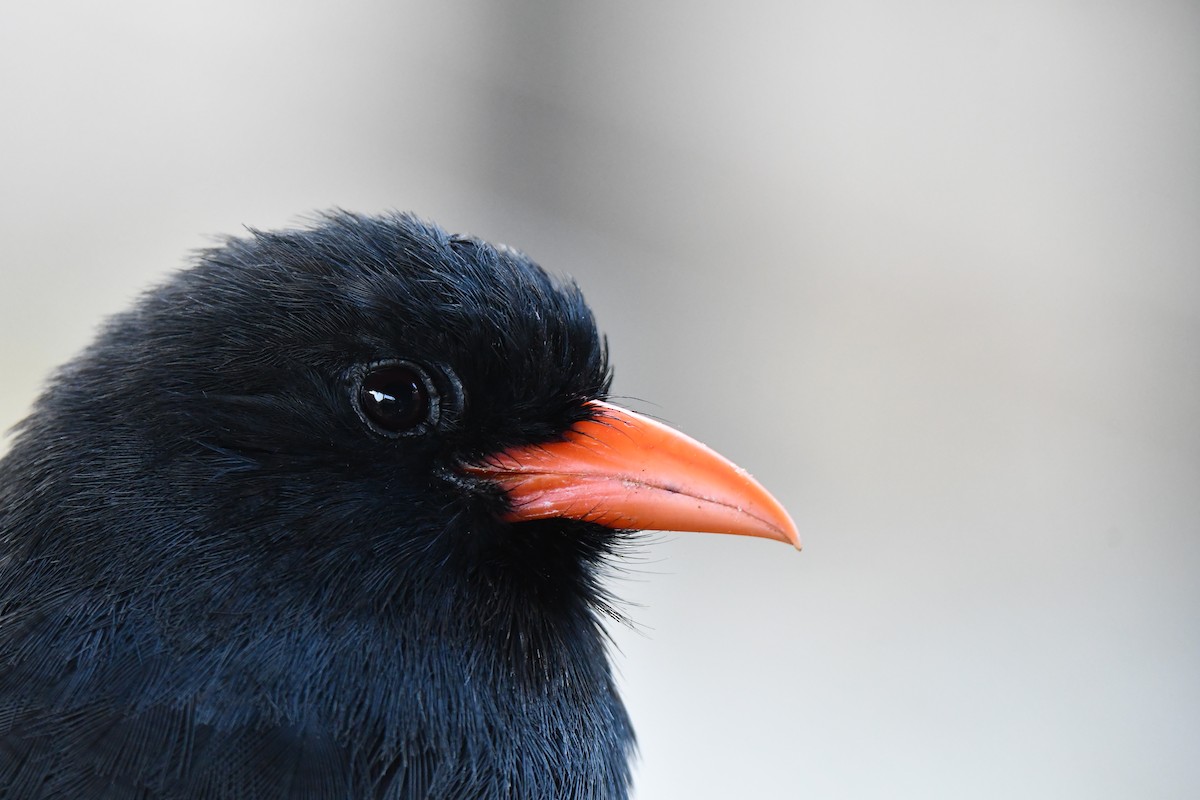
column 396, row 399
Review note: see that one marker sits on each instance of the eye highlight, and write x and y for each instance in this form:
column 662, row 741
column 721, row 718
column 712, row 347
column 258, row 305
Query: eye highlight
column 397, row 398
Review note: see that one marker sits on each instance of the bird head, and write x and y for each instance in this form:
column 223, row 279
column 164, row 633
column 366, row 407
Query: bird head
column 358, row 480
column 378, row 383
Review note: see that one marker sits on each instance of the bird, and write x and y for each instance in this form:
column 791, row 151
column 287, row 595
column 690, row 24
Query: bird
column 329, row 513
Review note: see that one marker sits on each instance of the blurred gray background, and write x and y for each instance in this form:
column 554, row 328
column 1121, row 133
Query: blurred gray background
column 931, row 270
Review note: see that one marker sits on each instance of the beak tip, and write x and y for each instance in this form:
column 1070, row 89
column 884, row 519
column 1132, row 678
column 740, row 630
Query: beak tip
column 777, row 520
column 792, row 536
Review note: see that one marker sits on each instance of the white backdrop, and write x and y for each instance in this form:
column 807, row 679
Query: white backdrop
column 930, row 270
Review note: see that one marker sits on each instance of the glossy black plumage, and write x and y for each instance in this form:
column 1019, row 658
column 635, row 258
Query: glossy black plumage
column 217, row 582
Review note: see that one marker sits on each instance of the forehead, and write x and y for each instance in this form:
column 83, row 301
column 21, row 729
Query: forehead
column 356, row 288
column 400, row 282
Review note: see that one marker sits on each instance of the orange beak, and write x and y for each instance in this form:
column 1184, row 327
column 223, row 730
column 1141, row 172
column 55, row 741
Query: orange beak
column 623, row 470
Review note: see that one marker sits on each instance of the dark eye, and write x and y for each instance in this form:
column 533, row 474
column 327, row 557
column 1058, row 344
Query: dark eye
column 397, row 398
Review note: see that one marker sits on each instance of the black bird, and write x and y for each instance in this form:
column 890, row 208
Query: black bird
column 325, row 516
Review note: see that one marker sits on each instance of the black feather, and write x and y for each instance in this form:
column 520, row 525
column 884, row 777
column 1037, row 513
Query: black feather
column 217, row 582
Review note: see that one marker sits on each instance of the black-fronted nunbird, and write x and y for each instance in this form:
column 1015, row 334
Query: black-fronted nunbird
column 324, row 516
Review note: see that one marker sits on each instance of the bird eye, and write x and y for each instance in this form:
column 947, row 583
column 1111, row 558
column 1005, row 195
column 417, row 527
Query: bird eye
column 397, row 398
